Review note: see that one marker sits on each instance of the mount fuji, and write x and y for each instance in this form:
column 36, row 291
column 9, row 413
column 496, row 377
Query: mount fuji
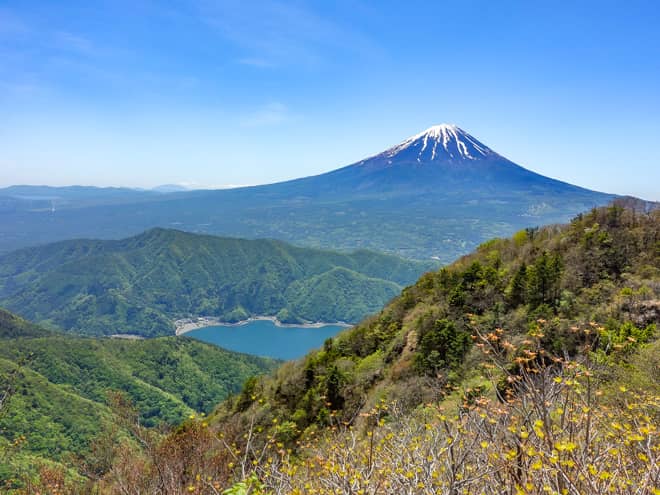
column 443, row 159
column 436, row 194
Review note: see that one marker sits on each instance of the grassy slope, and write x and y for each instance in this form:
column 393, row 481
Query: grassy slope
column 139, row 285
column 59, row 400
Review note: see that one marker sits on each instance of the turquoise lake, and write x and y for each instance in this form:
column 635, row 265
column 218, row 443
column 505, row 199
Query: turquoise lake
column 264, row 338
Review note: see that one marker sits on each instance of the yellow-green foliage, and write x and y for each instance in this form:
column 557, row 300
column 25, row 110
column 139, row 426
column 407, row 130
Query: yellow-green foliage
column 566, row 427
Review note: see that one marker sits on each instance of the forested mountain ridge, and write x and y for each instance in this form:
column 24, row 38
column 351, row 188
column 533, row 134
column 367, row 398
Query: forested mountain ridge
column 13, row 326
column 602, row 269
column 140, row 285
column 57, row 390
column 482, row 376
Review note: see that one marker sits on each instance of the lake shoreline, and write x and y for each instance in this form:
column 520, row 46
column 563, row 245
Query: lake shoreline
column 186, row 325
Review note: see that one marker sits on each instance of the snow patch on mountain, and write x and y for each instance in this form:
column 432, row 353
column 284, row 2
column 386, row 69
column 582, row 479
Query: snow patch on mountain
column 440, row 142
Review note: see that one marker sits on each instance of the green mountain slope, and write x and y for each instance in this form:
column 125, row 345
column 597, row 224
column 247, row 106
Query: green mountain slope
column 59, row 384
column 141, row 284
column 12, row 326
column 339, row 291
column 602, row 271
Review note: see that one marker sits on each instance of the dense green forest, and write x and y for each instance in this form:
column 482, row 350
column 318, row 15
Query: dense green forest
column 527, row 367
column 60, row 388
column 141, row 284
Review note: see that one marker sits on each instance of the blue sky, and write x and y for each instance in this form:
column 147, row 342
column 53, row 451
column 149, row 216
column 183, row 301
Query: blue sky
column 213, row 93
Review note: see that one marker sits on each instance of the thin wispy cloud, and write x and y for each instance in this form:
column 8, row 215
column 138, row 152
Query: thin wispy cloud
column 273, row 33
column 273, row 113
column 74, row 42
column 11, row 24
column 25, row 88
column 256, row 62
column 32, row 57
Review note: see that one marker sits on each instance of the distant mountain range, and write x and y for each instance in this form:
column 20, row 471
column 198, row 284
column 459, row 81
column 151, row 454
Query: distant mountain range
column 50, row 198
column 436, row 194
column 140, row 285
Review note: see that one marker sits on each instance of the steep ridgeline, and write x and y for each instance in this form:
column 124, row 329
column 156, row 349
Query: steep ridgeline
column 142, row 284
column 439, row 194
column 601, row 272
column 59, row 386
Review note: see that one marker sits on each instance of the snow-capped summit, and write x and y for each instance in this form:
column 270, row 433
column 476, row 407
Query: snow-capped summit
column 441, row 142
column 444, row 157
column 442, row 164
